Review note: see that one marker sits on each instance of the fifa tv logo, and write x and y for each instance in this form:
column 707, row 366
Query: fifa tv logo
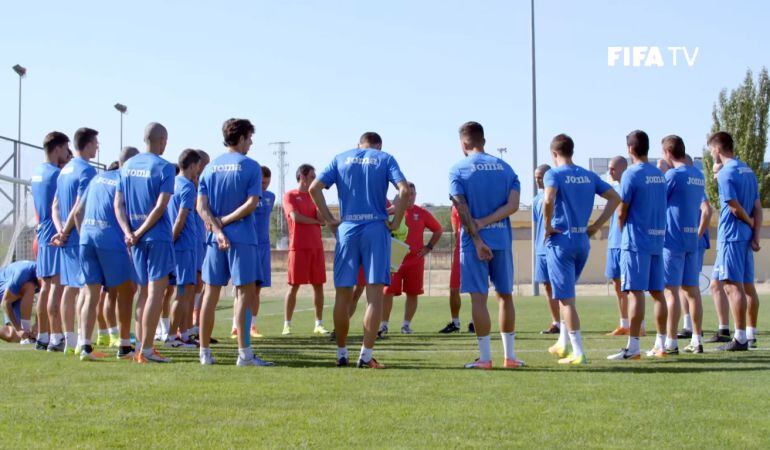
column 643, row 56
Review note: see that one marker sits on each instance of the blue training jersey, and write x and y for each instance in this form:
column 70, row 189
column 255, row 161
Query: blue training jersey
column 684, row 195
column 537, row 218
column 614, row 236
column 184, row 198
column 362, row 177
column 486, row 182
column 643, row 188
column 576, row 188
column 262, row 217
column 737, row 182
column 100, row 225
column 143, row 179
column 43, row 190
column 228, row 181
column 71, row 185
column 14, row 275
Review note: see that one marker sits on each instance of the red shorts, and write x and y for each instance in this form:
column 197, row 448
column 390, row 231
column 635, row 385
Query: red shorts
column 361, row 277
column 454, row 274
column 408, row 281
column 307, row 267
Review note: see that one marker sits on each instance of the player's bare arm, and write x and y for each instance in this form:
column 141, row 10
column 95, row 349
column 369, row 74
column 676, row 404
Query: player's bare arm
column 706, row 211
column 482, row 251
column 120, row 214
column 59, row 238
column 613, row 200
column 8, row 299
column 510, row 207
column 300, row 218
column 549, row 203
column 179, row 223
column 623, row 214
column 316, row 193
column 400, row 208
column 214, row 224
column 431, row 243
column 157, row 212
column 242, row 211
column 757, row 216
column 737, row 210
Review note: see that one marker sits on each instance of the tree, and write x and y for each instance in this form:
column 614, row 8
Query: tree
column 744, row 114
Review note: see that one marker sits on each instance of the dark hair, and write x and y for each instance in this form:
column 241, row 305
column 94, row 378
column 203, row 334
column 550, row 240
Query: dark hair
column 674, row 145
column 266, row 173
column 639, row 142
column 204, row 156
column 472, row 133
column 53, row 140
column 303, row 170
column 371, row 138
column 188, row 158
column 113, row 166
column 411, row 185
column 722, row 141
column 563, row 145
column 83, row 137
column 176, row 168
column 234, row 129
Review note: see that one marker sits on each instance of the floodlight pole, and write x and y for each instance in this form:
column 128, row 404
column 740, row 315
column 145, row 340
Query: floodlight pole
column 21, row 72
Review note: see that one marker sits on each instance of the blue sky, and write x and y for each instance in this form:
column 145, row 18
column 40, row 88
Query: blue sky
column 319, row 74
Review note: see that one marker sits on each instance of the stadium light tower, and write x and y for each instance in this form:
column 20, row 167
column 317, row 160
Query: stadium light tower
column 122, row 109
column 21, row 72
column 501, row 151
column 535, row 287
column 282, row 165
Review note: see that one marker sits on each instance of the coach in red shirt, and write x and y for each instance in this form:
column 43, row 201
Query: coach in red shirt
column 306, row 251
column 409, row 278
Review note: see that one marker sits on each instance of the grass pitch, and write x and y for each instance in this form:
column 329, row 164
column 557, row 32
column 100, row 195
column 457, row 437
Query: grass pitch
column 423, row 399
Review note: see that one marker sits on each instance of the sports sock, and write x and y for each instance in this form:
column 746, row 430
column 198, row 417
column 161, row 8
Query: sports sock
column 113, row 331
column 205, row 351
column 485, row 348
column 671, row 343
column 577, row 343
column 660, row 341
column 147, row 351
column 42, row 337
column 383, row 324
column 696, row 339
column 624, row 323
column 456, row 321
column 554, row 323
column 24, row 324
column 740, row 336
column 70, row 339
column 687, row 322
column 165, row 324
column 406, row 323
column 751, row 333
column 319, row 322
column 235, row 322
column 723, row 327
column 245, row 353
column 366, row 354
column 83, row 342
column 633, row 345
column 509, row 341
column 102, row 332
column 56, row 338
column 643, row 327
column 342, row 352
column 563, row 333
column 253, row 321
column 287, row 323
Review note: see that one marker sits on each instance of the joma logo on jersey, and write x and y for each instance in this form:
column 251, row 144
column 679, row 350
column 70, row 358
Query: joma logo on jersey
column 577, row 180
column 226, row 168
column 107, row 181
column 67, row 169
column 365, row 161
column 486, row 166
column 37, row 178
column 654, row 179
column 696, row 181
column 139, row 173
column 741, row 170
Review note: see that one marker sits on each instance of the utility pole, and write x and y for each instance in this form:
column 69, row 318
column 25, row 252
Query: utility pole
column 501, row 151
column 282, row 166
column 21, row 72
column 535, row 287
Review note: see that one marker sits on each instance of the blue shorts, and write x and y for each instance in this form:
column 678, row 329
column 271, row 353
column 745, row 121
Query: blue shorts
column 16, row 307
column 185, row 271
column 108, row 267
column 641, row 271
column 263, row 253
column 612, row 269
column 71, row 271
column 541, row 269
column 48, row 261
column 680, row 268
column 366, row 245
column 565, row 264
column 476, row 274
column 701, row 253
column 153, row 260
column 239, row 263
column 735, row 262
column 200, row 254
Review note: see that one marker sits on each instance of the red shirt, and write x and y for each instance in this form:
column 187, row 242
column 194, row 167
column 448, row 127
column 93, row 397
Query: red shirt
column 417, row 220
column 302, row 236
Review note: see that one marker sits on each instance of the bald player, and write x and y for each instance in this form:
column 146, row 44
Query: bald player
column 145, row 188
column 541, row 267
column 618, row 165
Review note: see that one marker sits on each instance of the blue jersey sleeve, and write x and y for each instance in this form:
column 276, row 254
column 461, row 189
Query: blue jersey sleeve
column 20, row 276
column 167, row 179
column 726, row 188
column 627, row 188
column 203, row 183
column 670, row 182
column 329, row 175
column 455, row 183
column 394, row 172
column 515, row 184
column 550, row 180
column 85, row 179
column 187, row 197
column 600, row 185
column 254, row 186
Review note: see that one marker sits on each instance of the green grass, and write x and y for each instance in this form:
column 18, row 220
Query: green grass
column 423, row 399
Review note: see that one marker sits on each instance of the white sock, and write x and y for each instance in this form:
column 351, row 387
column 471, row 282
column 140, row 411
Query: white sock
column 625, row 323
column 235, row 322
column 751, row 333
column 563, row 333
column 204, row 351
column 342, row 352
column 70, row 339
column 555, row 323
column 643, row 326
column 253, row 321
column 287, row 323
column 509, row 341
column 485, row 348
column 42, row 337
column 633, row 345
column 24, row 324
column 671, row 343
column 383, row 324
column 113, row 331
column 245, row 353
column 125, row 342
column 319, row 322
column 406, row 323
column 146, row 351
column 456, row 321
column 366, row 354
column 102, row 332
column 696, row 339
column 660, row 341
column 723, row 327
column 577, row 343
column 687, row 322
column 740, row 336
column 56, row 338
column 83, row 342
